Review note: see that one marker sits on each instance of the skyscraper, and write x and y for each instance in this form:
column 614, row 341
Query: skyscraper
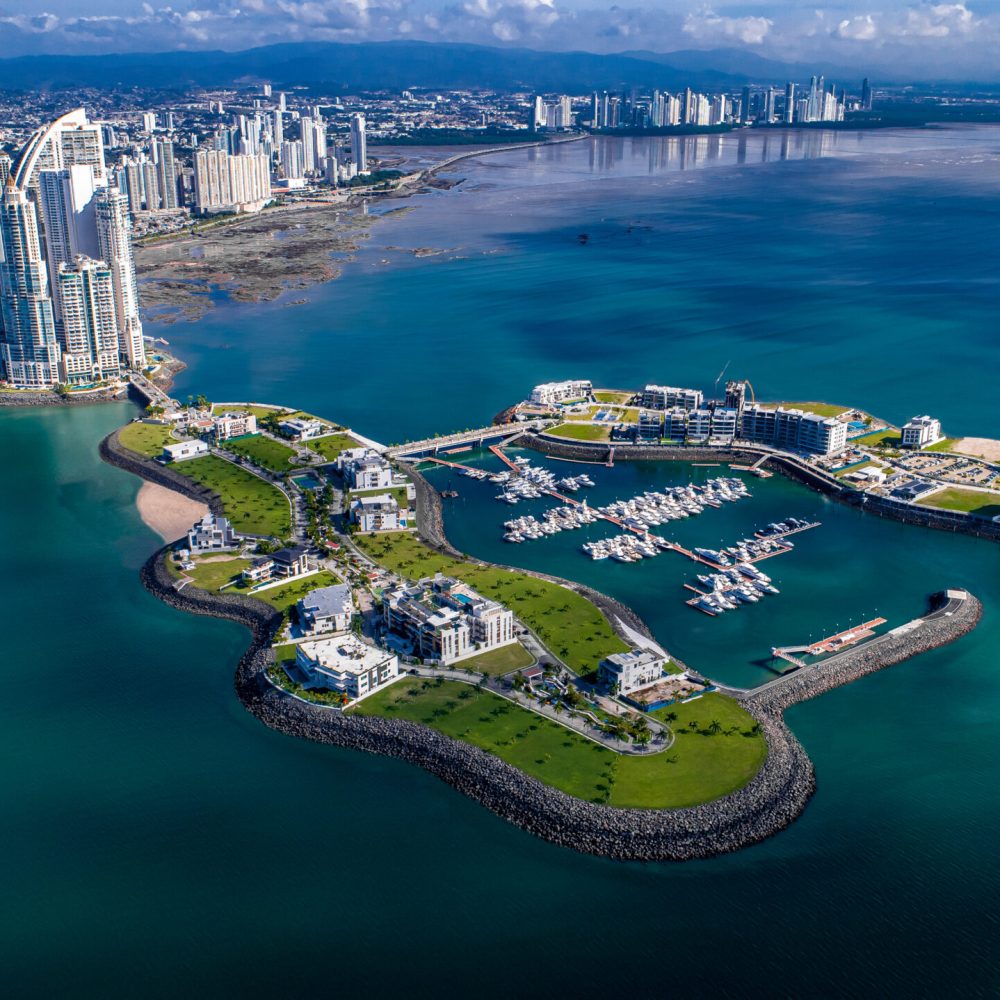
column 866, row 95
column 89, row 321
column 166, row 173
column 359, row 143
column 29, row 350
column 789, row 103
column 114, row 236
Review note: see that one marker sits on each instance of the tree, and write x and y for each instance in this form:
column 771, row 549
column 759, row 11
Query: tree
column 714, row 727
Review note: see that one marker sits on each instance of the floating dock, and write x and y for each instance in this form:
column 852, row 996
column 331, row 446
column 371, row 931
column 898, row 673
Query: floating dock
column 831, row 644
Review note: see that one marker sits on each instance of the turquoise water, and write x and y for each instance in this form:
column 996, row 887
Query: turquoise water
column 158, row 841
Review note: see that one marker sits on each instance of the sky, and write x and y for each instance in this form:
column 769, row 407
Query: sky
column 906, row 39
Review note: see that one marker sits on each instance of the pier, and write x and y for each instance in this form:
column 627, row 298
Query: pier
column 472, row 439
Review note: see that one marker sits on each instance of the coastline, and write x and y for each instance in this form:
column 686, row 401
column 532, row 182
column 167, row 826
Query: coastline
column 166, row 511
column 768, row 803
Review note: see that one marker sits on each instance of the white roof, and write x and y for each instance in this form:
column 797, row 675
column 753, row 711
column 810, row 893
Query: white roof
column 344, row 654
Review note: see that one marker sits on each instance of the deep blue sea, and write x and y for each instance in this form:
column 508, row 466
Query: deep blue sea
column 160, row 842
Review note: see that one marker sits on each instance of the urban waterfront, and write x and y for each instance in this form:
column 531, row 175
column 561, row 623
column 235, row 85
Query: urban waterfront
column 170, row 842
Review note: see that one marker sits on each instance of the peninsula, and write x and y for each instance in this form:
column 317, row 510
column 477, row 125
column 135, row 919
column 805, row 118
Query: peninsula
column 547, row 701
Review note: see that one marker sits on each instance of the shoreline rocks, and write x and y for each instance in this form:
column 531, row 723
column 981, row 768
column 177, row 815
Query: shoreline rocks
column 771, row 801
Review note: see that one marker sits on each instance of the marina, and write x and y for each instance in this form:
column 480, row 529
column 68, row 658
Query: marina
column 831, row 644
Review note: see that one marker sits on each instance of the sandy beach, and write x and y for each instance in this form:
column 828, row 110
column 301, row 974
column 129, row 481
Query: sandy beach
column 168, row 513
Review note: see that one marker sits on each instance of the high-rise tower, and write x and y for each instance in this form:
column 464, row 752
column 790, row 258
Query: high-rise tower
column 359, row 144
column 29, row 350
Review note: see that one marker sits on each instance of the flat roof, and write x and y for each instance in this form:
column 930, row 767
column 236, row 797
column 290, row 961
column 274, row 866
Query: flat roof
column 344, row 654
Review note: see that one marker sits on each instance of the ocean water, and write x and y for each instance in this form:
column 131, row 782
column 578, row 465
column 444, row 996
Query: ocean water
column 158, row 841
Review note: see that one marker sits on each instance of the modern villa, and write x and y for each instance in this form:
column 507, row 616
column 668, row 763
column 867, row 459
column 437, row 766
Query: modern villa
column 345, row 664
column 628, row 672
column 328, row 609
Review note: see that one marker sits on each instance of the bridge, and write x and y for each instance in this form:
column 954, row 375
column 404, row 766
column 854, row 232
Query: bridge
column 475, row 438
column 153, row 395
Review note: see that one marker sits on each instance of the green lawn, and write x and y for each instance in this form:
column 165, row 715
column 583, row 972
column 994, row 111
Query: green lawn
column 571, row 627
column 822, row 409
column 702, row 764
column 285, row 596
column 213, row 575
column 146, row 439
column 971, row 501
column 499, row 661
column 945, row 444
column 699, row 767
column 332, row 445
column 284, row 654
column 253, row 505
column 888, row 438
column 263, row 452
column 605, row 396
column 259, row 411
column 856, row 468
column 582, row 432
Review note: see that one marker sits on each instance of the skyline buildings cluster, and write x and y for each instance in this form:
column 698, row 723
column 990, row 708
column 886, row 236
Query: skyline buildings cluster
column 768, row 106
column 68, row 298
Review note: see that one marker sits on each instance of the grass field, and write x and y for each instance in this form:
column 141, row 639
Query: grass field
column 571, row 627
column 213, row 575
column 258, row 411
column 499, row 661
column 700, row 766
column 264, row 452
column 888, row 438
column 945, row 444
column 146, row 439
column 822, row 409
column 253, row 505
column 582, row 432
column 605, row 396
column 332, row 445
column 285, row 596
column 970, row 501
column 856, row 468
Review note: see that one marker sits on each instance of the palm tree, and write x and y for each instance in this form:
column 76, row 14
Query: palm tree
column 714, row 727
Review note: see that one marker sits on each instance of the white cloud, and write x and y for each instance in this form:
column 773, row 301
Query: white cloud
column 860, row 29
column 945, row 39
column 709, row 26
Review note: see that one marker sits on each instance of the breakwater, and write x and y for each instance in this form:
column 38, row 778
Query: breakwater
column 772, row 800
column 115, row 453
column 787, row 465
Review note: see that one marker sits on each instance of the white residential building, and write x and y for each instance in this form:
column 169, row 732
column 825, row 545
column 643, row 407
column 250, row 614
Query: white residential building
column 442, row 619
column 919, row 432
column 114, row 240
column 345, row 664
column 793, row 430
column 559, row 392
column 359, row 144
column 328, row 609
column 226, row 183
column 638, row 668
column 364, row 469
column 300, row 429
column 230, row 425
column 89, row 329
column 184, row 450
column 212, row 534
column 668, row 397
column 378, row 513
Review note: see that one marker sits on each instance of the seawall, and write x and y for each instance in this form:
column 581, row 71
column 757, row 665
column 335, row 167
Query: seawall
column 772, row 800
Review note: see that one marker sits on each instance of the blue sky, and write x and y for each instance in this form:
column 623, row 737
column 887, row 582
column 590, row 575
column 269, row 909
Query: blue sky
column 917, row 39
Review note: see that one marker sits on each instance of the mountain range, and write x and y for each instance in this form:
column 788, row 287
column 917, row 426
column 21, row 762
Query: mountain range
column 334, row 67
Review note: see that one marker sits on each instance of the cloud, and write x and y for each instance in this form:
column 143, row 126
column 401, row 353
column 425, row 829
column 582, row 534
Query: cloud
column 919, row 39
column 861, row 28
column 709, row 27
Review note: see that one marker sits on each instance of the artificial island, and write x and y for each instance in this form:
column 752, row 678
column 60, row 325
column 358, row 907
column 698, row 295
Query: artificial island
column 545, row 700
